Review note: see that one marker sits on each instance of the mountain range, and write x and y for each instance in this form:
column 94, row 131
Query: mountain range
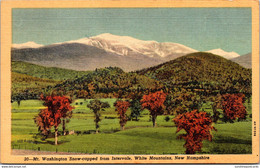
column 105, row 50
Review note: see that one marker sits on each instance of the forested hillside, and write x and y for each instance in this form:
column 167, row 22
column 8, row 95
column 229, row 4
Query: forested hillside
column 45, row 72
column 202, row 71
column 109, row 82
column 28, row 87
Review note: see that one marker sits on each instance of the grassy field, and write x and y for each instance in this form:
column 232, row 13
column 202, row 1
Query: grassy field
column 138, row 138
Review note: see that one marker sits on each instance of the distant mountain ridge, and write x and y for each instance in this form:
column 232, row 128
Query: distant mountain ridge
column 125, row 46
column 81, row 57
column 244, row 60
column 104, row 50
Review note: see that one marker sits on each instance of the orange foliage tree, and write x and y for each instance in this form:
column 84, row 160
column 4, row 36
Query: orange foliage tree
column 198, row 126
column 154, row 103
column 233, row 107
column 121, row 108
column 58, row 107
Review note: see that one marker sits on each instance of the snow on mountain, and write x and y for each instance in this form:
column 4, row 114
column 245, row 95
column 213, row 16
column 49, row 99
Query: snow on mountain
column 132, row 47
column 105, row 50
column 125, row 46
column 29, row 44
column 227, row 55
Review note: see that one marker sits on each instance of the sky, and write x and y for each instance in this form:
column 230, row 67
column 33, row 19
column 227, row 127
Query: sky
column 199, row 28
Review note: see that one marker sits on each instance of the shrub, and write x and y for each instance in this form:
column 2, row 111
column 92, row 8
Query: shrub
column 167, row 118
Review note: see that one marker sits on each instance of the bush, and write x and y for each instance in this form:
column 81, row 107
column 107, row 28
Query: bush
column 167, row 118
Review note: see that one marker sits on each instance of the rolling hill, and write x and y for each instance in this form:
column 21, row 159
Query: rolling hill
column 202, row 71
column 31, row 86
column 110, row 81
column 45, row 72
column 193, row 71
column 29, row 80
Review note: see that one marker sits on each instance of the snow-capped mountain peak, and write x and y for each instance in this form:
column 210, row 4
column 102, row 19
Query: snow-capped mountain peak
column 126, row 45
column 227, row 55
column 127, row 40
column 29, row 44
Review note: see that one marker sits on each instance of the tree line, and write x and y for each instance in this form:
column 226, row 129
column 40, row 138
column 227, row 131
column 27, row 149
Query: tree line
column 197, row 124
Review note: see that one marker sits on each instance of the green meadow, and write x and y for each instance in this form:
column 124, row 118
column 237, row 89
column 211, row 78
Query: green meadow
column 139, row 137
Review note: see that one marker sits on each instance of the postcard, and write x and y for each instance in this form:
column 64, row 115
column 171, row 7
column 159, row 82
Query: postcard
column 127, row 81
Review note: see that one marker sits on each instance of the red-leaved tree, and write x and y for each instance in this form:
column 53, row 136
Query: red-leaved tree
column 233, row 107
column 121, row 108
column 198, row 126
column 58, row 107
column 154, row 103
